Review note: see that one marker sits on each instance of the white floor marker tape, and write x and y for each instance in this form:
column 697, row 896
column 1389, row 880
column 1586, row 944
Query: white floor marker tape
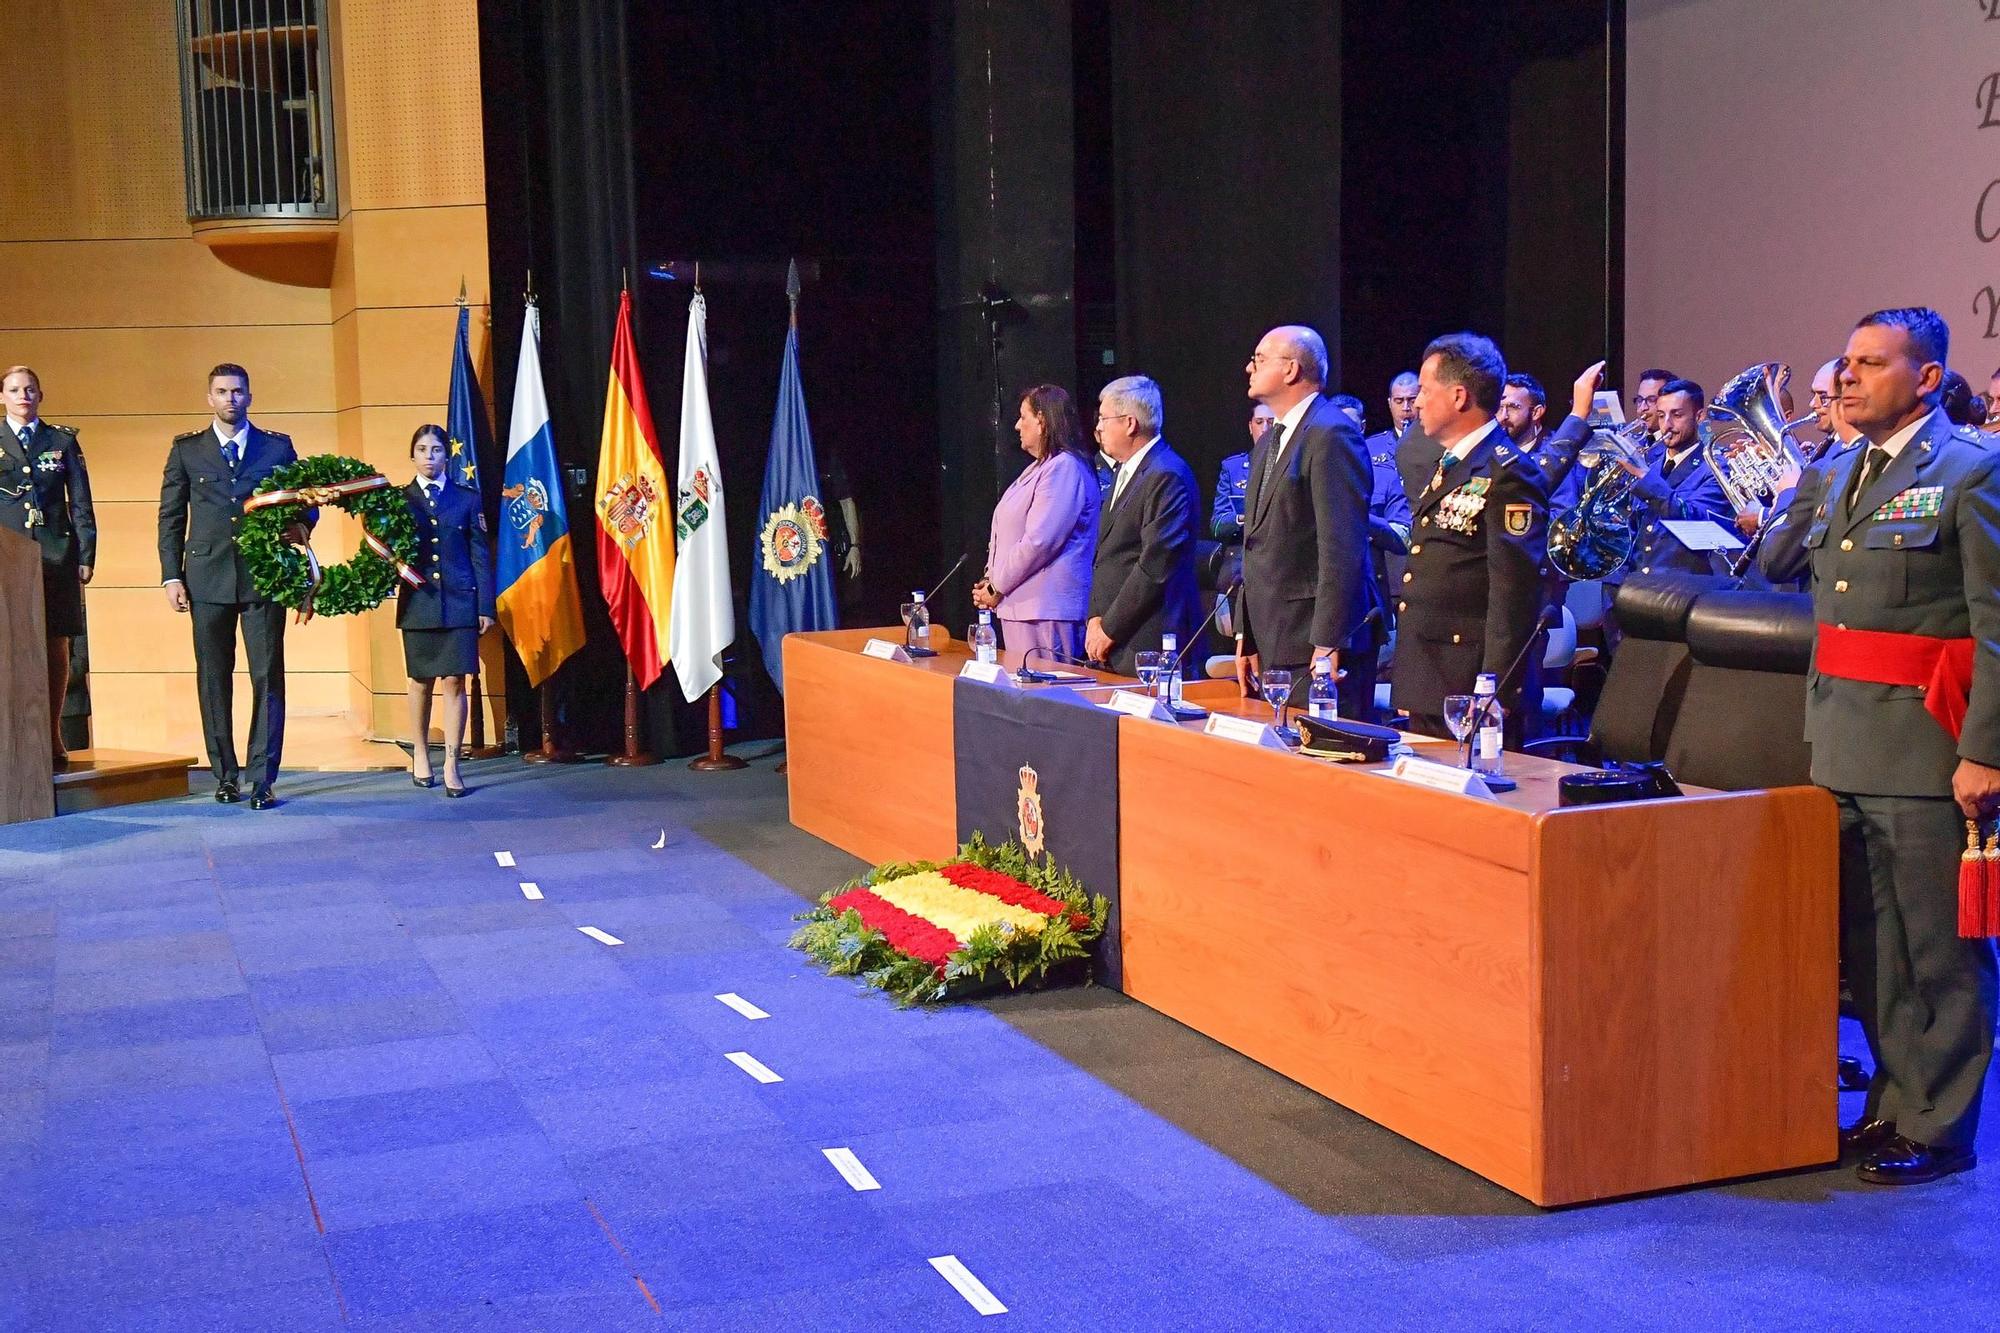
column 599, row 935
column 742, row 1006
column 503, row 858
column 970, row 1287
column 532, row 892
column 850, row 1168
column 662, row 842
column 752, row 1066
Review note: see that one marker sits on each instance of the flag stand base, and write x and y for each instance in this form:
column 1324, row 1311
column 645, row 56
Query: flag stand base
column 550, row 752
column 716, row 760
column 635, row 754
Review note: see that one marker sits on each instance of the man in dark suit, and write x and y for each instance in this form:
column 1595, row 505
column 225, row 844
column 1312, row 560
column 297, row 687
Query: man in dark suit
column 1142, row 584
column 1473, row 589
column 1900, row 536
column 209, row 474
column 1308, row 585
column 45, row 493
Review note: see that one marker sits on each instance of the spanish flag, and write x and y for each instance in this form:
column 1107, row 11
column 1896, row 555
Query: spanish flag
column 539, row 605
column 635, row 513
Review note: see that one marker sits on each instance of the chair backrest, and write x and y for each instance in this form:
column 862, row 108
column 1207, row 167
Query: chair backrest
column 1649, row 670
column 1560, row 649
column 1741, row 723
column 1586, row 602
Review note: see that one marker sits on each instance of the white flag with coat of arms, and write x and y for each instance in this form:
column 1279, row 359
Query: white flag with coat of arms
column 702, row 623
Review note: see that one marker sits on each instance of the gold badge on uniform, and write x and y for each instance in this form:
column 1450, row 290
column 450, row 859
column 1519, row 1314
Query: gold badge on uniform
column 1518, row 518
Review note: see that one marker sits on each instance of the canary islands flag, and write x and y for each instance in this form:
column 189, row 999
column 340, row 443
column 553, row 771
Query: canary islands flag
column 791, row 577
column 540, row 608
column 635, row 513
column 465, row 417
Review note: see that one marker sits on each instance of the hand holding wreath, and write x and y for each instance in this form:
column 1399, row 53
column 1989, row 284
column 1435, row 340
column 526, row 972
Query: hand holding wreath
column 274, row 537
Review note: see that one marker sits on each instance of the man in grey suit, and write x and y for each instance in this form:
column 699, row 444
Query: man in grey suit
column 1308, row 587
column 1900, row 533
column 209, row 474
column 1142, row 583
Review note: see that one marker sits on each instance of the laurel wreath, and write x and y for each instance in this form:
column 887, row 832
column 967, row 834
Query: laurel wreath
column 282, row 570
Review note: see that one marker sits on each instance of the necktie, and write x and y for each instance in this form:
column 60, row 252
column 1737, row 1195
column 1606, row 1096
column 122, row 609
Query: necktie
column 1270, row 471
column 27, row 438
column 1871, row 469
column 229, row 453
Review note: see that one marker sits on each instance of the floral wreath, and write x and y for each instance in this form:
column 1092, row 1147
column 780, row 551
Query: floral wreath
column 274, row 537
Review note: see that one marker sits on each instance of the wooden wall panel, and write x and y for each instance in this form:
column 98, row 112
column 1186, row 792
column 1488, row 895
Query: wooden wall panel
column 410, row 104
column 126, row 454
column 140, row 370
column 157, row 710
column 418, row 256
column 143, row 283
column 401, row 357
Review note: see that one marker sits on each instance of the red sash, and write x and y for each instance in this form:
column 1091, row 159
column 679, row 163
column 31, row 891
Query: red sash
column 1941, row 668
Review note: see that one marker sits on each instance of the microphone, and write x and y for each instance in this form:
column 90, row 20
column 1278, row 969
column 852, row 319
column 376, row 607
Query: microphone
column 1500, row 687
column 956, row 566
column 1028, row 675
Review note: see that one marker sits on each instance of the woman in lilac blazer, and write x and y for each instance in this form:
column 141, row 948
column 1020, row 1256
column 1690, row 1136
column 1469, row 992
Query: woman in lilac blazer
column 1044, row 538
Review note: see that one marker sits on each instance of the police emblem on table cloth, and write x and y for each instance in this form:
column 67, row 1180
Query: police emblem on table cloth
column 793, row 537
column 1917, row 502
column 1028, row 806
column 1460, row 511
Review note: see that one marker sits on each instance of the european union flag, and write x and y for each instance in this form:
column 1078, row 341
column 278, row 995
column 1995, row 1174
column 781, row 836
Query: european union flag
column 465, row 418
column 791, row 581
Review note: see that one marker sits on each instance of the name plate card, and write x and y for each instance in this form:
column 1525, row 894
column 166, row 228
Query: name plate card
column 888, row 650
column 1244, row 731
column 1440, row 777
column 1137, row 703
column 989, row 673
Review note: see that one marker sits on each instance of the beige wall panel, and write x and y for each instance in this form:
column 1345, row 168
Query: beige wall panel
column 418, row 256
column 401, row 357
column 341, row 286
column 131, row 284
column 410, row 115
column 126, row 454
column 127, row 545
column 389, row 718
column 124, row 371
column 158, row 710
column 135, row 628
column 92, row 98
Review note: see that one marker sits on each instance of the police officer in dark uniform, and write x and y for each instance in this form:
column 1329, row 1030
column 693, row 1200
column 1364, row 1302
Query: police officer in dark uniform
column 45, row 493
column 1472, row 591
column 209, row 474
column 1225, row 514
column 1900, row 533
column 442, row 621
column 1679, row 484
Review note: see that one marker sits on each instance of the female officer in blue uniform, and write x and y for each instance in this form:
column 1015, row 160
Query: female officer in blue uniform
column 442, row 621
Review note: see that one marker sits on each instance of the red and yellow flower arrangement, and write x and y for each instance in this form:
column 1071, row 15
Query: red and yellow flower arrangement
column 938, row 930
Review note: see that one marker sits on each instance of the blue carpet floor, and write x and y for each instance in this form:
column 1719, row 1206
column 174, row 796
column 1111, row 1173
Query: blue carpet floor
column 329, row 1067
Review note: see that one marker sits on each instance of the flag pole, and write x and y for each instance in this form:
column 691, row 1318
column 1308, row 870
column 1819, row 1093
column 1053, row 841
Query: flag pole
column 550, row 752
column 635, row 754
column 475, row 685
column 792, row 297
column 717, row 760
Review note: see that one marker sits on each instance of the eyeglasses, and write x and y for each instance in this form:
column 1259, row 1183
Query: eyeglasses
column 1259, row 359
column 1115, row 416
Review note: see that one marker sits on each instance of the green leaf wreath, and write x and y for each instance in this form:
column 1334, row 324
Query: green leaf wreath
column 282, row 572
column 994, row 954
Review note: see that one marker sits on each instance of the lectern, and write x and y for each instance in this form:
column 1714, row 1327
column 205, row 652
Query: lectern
column 27, row 777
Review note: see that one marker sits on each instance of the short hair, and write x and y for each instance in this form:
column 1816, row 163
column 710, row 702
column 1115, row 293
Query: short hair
column 1052, row 406
column 1470, row 359
column 1930, row 336
column 11, row 371
column 1349, row 404
column 430, row 428
column 1536, row 395
column 1656, row 374
column 1308, row 349
column 1409, row 377
column 1688, row 387
column 230, row 368
column 1960, row 408
column 1139, row 397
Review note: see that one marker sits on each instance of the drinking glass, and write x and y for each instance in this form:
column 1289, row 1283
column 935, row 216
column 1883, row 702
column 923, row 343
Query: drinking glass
column 1152, row 669
column 1277, row 687
column 1458, row 715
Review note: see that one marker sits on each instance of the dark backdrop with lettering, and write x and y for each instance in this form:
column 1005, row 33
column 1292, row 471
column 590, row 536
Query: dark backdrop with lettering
column 1073, row 747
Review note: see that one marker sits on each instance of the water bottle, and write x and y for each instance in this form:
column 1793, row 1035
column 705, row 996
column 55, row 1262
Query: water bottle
column 1492, row 722
column 1170, row 671
column 918, row 636
column 1324, row 700
column 985, row 647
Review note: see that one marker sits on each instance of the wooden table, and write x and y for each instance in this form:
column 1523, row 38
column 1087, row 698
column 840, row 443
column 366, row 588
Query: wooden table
column 1576, row 1004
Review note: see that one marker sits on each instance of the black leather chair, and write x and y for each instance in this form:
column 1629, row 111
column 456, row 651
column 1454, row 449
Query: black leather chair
column 1643, row 689
column 1741, row 722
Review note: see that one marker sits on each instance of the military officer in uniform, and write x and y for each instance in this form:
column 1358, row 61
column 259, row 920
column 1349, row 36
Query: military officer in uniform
column 1900, row 534
column 1472, row 591
column 442, row 621
column 209, row 474
column 45, row 493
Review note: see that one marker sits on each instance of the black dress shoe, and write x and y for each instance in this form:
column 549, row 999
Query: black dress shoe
column 455, row 792
column 263, row 798
column 1850, row 1075
column 1864, row 1138
column 426, row 782
column 227, row 793
column 1906, row 1162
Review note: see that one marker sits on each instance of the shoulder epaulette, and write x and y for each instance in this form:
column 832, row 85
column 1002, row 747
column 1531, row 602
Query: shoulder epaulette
column 192, row 434
column 276, row 435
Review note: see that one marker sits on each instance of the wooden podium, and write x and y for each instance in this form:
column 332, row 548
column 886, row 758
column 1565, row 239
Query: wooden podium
column 27, row 789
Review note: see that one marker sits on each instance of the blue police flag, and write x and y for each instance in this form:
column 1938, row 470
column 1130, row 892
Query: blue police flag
column 791, row 579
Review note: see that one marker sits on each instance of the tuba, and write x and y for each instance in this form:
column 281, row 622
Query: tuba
column 1749, row 441
column 1595, row 539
